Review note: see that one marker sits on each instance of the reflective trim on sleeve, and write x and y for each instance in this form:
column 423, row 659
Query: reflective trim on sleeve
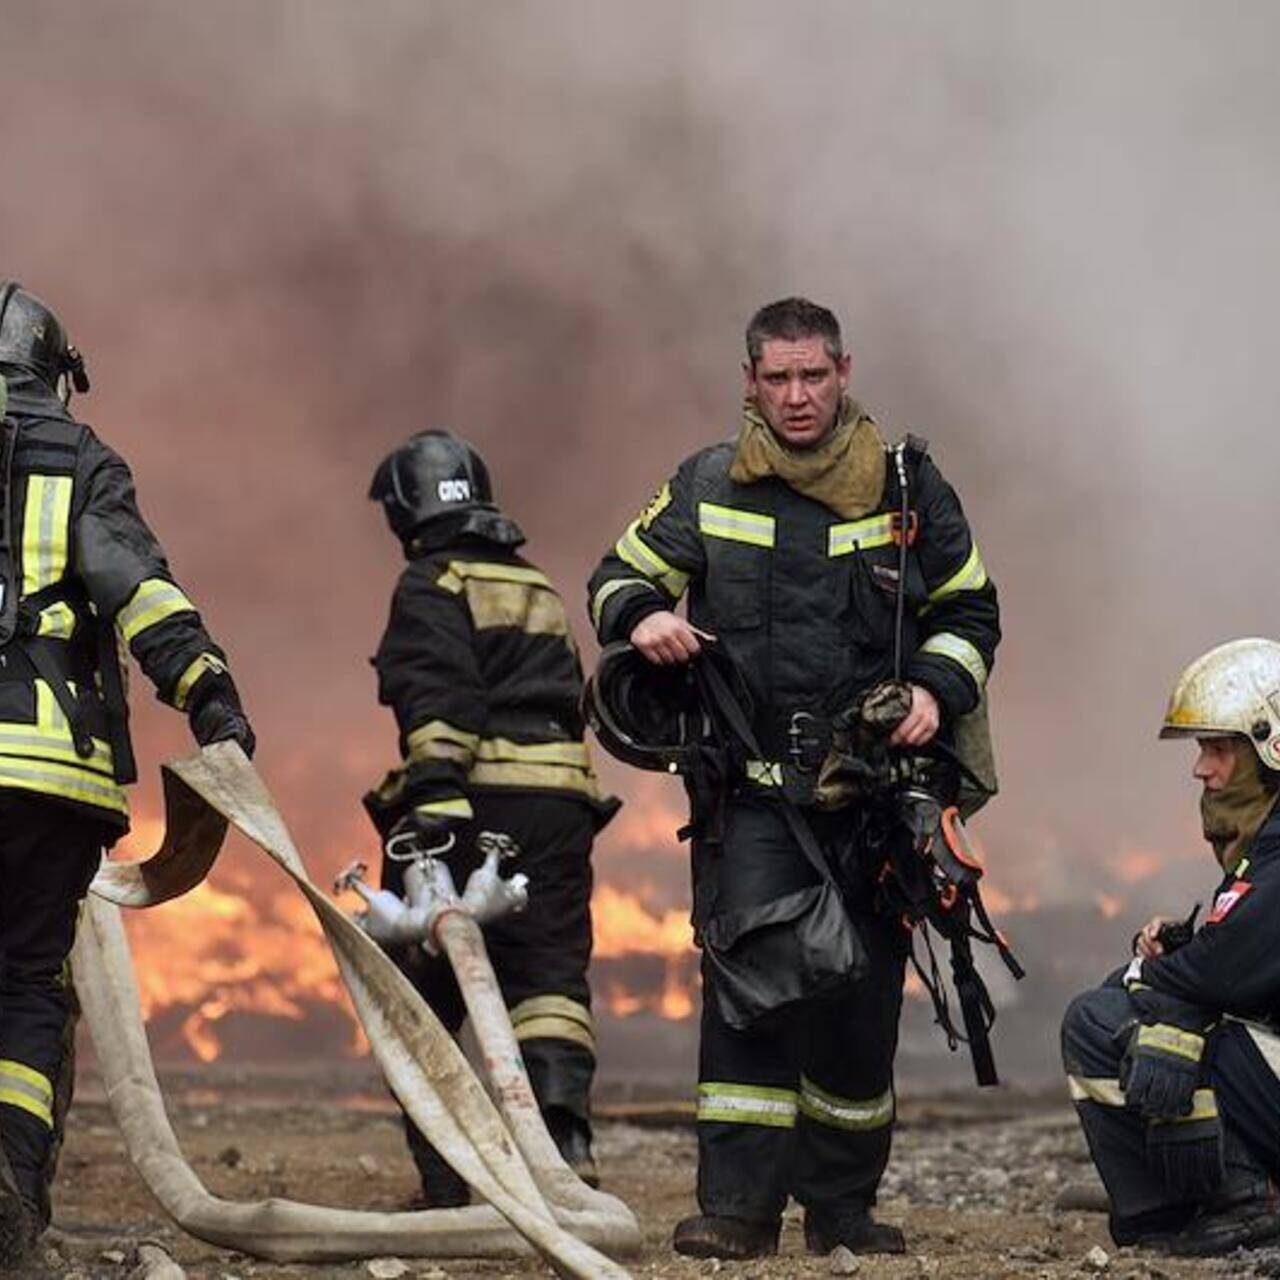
column 844, row 1113
column 454, row 807
column 554, row 1017
column 440, row 740
column 611, row 588
column 736, row 525
column 1102, row 1090
column 567, row 753
column 45, row 522
column 1204, row 1106
column 746, row 1104
column 873, row 531
column 154, row 600
column 186, row 681
column 57, row 621
column 23, row 1087
column 1168, row 1039
column 949, row 645
column 632, row 548
column 971, row 576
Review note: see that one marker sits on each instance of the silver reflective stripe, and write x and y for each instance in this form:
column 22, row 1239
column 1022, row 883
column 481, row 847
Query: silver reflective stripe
column 612, row 588
column 845, row 1113
column 746, row 1104
column 735, row 525
column 960, row 651
column 1105, row 1091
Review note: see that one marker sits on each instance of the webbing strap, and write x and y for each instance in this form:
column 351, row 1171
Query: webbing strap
column 8, row 586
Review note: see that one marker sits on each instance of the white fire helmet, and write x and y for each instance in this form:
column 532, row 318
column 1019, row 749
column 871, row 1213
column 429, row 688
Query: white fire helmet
column 1234, row 688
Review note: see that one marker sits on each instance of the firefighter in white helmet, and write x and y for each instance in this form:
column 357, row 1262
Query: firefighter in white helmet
column 1174, row 1062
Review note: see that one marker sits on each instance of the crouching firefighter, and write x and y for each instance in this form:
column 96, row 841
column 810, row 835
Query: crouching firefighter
column 787, row 542
column 81, row 577
column 480, row 668
column 1174, row 1062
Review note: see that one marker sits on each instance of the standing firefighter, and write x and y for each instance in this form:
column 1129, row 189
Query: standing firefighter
column 787, row 543
column 80, row 573
column 481, row 670
column 1174, row 1062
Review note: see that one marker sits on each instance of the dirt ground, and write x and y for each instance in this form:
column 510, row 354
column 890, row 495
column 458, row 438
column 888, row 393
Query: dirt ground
column 975, row 1183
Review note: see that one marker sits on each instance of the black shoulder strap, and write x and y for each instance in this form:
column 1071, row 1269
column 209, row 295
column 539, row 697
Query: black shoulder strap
column 8, row 583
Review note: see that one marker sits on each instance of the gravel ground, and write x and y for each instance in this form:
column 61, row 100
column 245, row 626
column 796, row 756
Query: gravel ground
column 974, row 1184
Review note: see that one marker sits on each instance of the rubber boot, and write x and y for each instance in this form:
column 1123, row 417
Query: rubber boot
column 855, row 1229
column 733, row 1238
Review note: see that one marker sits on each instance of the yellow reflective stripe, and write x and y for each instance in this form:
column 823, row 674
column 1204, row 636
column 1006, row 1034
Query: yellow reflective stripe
column 57, row 621
column 845, row 1113
column 28, row 740
column 949, row 645
column 1102, row 1090
column 566, row 753
column 154, row 600
column 554, row 777
column 186, row 681
column 971, row 576
column 609, row 589
column 1204, row 1106
column 455, row 807
column 22, row 1086
column 463, row 570
column 746, row 1104
column 18, row 1072
column 873, row 531
column 644, row 559
column 736, row 525
column 553, row 1017
column 69, row 782
column 440, row 740
column 764, row 773
column 1167, row 1039
column 44, row 531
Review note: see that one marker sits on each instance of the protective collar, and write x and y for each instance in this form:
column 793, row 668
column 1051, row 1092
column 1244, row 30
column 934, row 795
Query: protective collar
column 845, row 472
column 1231, row 817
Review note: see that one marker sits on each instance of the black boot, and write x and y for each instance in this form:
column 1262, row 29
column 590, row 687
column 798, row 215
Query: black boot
column 572, row 1135
column 1215, row 1230
column 442, row 1188
column 19, row 1223
column 733, row 1238
column 855, row 1229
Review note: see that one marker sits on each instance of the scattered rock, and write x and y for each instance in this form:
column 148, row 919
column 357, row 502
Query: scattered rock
column 230, row 1156
column 1097, row 1259
column 387, row 1268
column 843, row 1262
column 113, row 1256
column 369, row 1166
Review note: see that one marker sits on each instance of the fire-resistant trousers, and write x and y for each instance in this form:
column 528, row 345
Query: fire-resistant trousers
column 48, row 855
column 1238, row 1076
column 802, row 1104
column 540, row 956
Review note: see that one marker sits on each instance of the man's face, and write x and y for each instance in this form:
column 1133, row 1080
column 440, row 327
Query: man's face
column 798, row 388
column 1215, row 763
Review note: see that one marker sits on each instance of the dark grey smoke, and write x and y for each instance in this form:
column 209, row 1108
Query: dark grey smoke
column 286, row 235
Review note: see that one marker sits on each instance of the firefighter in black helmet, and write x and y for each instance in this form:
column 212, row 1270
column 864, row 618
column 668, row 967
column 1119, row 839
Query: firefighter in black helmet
column 80, row 573
column 480, row 668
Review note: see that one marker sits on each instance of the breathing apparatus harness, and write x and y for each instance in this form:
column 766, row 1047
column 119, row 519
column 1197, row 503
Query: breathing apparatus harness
column 929, row 870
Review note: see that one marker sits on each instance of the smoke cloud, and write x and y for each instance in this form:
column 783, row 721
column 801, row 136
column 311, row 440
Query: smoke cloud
column 288, row 235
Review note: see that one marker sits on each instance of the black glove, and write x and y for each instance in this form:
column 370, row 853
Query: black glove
column 216, row 715
column 1160, row 1070
column 1177, row 933
column 1187, row 1155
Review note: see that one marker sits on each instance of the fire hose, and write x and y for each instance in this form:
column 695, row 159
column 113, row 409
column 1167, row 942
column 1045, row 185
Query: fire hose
column 506, row 1155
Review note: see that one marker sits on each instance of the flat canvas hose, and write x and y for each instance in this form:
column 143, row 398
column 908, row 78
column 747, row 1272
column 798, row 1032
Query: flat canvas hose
column 551, row 1210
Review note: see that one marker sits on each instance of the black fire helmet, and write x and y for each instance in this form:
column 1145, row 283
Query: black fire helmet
column 32, row 339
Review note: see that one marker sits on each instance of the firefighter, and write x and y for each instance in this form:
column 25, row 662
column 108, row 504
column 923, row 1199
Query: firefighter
column 1174, row 1062
column 481, row 670
column 80, row 573
column 785, row 541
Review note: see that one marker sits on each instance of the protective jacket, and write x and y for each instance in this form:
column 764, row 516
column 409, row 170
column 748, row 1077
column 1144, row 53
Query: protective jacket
column 1231, row 964
column 481, row 670
column 804, row 600
column 86, row 573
